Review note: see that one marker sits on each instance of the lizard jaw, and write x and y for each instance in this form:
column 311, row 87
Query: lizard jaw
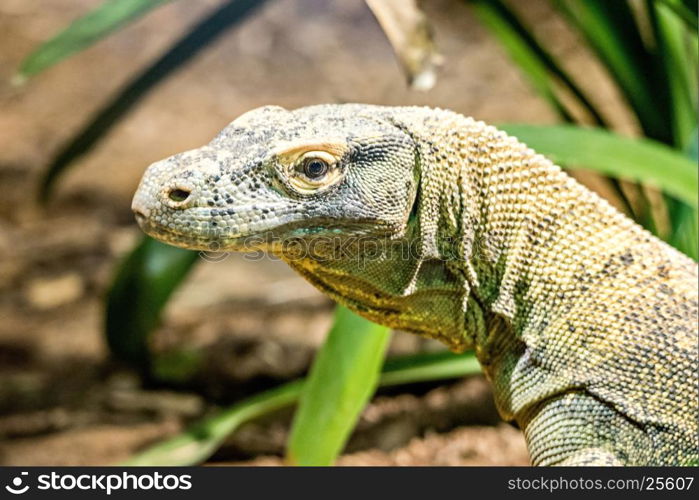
column 208, row 243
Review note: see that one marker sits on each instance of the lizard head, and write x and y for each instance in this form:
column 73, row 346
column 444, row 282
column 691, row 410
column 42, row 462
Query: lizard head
column 272, row 175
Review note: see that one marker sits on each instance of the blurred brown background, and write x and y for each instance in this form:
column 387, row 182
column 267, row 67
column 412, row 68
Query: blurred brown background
column 61, row 400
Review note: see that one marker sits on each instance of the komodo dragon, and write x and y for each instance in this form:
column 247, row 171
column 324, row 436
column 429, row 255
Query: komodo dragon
column 424, row 220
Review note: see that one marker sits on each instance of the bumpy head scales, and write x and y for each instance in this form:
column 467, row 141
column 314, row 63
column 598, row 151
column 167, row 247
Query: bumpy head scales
column 274, row 174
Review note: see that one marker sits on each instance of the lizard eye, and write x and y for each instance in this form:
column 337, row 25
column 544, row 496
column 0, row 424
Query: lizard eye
column 310, row 170
column 315, row 168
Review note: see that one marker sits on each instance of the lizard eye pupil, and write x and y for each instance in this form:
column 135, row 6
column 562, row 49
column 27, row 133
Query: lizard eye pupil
column 315, row 168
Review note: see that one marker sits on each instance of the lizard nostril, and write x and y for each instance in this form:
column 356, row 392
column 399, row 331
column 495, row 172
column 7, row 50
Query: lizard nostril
column 140, row 216
column 178, row 195
column 141, row 212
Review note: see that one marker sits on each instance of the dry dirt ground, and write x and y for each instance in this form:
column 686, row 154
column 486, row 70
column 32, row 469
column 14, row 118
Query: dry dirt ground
column 62, row 401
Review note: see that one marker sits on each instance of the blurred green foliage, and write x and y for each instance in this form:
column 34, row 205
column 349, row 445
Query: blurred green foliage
column 140, row 289
column 649, row 48
column 95, row 25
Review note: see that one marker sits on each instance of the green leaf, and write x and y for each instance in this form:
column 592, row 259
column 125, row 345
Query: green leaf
column 426, row 367
column 685, row 230
column 611, row 30
column 533, row 59
column 685, row 219
column 198, row 38
column 642, row 160
column 142, row 285
column 522, row 49
column 683, row 11
column 83, row 32
column 674, row 50
column 677, row 49
column 692, row 147
column 540, row 67
column 199, row 442
column 342, row 379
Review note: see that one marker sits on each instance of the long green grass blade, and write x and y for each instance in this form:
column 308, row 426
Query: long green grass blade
column 683, row 10
column 534, row 60
column 675, row 51
column 611, row 30
column 685, row 219
column 198, row 38
column 677, row 43
column 199, row 442
column 521, row 48
column 640, row 160
column 427, row 367
column 685, row 230
column 342, row 379
column 83, row 32
column 541, row 67
column 142, row 285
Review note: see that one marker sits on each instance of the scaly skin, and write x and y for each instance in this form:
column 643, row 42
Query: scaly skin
column 434, row 223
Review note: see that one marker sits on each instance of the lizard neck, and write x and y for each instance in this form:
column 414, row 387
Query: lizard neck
column 500, row 216
column 572, row 291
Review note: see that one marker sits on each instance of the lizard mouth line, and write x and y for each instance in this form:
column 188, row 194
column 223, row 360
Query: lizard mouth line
column 210, row 241
column 223, row 239
column 204, row 238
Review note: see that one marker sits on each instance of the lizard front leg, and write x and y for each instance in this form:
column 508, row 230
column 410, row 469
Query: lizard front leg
column 579, row 429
